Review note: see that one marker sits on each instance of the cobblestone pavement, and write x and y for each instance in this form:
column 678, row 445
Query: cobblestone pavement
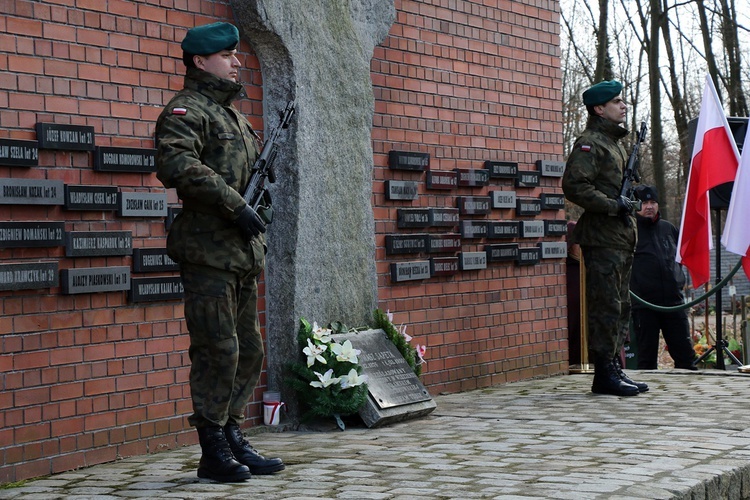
column 687, row 438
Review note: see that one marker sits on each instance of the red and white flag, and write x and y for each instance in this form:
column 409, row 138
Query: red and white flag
column 736, row 237
column 714, row 162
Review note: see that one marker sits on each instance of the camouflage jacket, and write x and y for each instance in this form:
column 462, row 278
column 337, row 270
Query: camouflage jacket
column 205, row 151
column 592, row 180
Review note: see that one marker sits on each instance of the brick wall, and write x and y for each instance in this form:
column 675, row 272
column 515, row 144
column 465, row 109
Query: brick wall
column 87, row 378
column 468, row 82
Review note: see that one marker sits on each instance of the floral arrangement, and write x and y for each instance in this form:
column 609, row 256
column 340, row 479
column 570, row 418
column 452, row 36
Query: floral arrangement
column 414, row 355
column 329, row 381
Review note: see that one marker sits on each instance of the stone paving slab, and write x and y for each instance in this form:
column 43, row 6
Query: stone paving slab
column 687, row 438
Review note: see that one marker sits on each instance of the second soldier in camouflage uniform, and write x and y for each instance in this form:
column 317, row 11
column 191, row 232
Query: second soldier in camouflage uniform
column 205, row 151
column 606, row 233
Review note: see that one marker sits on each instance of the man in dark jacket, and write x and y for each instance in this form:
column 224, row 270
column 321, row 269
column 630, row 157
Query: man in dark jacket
column 659, row 280
column 606, row 233
column 206, row 151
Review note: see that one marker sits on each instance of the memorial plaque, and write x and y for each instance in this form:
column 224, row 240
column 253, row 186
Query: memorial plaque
column 172, row 213
column 554, row 249
column 98, row 243
column 410, row 271
column 31, row 234
column 532, row 229
column 549, row 168
column 470, row 261
column 527, row 179
column 65, row 137
column 152, row 260
column 528, row 256
column 441, row 180
column 90, row 197
column 95, row 279
column 502, row 169
column 552, row 201
column 413, row 217
column 405, row 243
column 156, row 289
column 400, row 190
column 19, row 153
column 444, row 217
column 474, row 229
column 111, row 159
column 528, row 206
column 390, row 380
column 137, row 204
column 29, row 276
column 443, row 266
column 507, row 252
column 555, row 228
column 438, row 243
column 408, row 160
column 503, row 199
column 474, row 205
column 503, row 230
column 472, row 177
column 31, row 192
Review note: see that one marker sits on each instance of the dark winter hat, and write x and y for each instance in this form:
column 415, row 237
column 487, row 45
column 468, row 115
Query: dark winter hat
column 210, row 39
column 602, row 92
column 647, row 193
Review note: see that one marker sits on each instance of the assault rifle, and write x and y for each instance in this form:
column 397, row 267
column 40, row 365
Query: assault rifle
column 630, row 176
column 263, row 167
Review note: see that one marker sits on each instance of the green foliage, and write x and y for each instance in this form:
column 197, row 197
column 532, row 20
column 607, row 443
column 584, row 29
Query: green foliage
column 333, row 400
column 405, row 348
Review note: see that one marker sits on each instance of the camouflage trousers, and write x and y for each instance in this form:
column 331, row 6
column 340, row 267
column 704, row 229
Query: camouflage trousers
column 226, row 348
column 607, row 299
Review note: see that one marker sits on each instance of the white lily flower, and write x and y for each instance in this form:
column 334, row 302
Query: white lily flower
column 321, row 334
column 345, row 352
column 325, row 380
column 313, row 353
column 352, row 379
column 406, row 336
column 389, row 315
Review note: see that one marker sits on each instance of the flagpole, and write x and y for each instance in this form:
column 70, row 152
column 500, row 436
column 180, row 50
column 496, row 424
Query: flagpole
column 719, row 338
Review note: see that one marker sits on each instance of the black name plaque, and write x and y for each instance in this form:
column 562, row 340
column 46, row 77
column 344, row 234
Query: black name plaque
column 405, row 243
column 528, row 256
column 502, row 169
column 444, row 217
column 441, row 180
column 90, row 197
column 555, row 227
column 65, row 137
column 528, row 206
column 503, row 229
column 506, row 252
column 408, row 160
column 474, row 205
column 527, row 179
column 98, row 243
column 156, row 289
column 438, row 243
column 472, row 178
column 113, row 159
column 28, row 276
column 443, row 266
column 19, row 153
column 31, row 234
column 474, row 229
column 151, row 260
column 413, row 217
column 552, row 201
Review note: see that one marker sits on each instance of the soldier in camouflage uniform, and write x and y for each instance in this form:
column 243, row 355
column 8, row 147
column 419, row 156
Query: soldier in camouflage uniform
column 205, row 151
column 606, row 233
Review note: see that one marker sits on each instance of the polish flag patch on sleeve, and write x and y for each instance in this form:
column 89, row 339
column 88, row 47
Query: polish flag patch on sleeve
column 585, row 147
column 179, row 111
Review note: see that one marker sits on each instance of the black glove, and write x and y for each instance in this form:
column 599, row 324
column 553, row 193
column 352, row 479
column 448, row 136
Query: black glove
column 249, row 223
column 624, row 205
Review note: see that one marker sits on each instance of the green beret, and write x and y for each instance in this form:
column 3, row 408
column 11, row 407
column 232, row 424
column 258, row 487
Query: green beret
column 210, row 39
column 602, row 93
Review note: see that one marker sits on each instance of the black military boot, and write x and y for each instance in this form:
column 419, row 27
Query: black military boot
column 642, row 387
column 217, row 461
column 607, row 380
column 247, row 455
